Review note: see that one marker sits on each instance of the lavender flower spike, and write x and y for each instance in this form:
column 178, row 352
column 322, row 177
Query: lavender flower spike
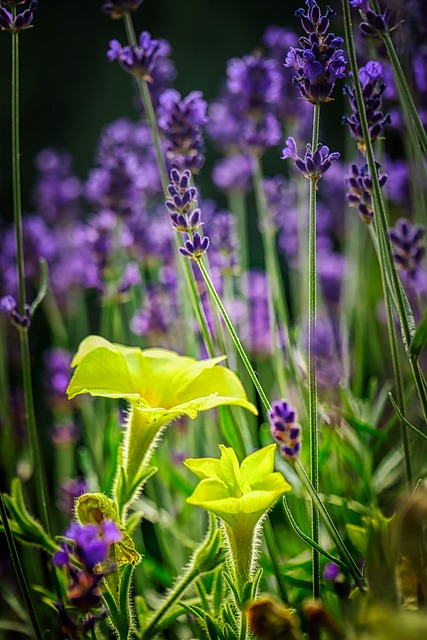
column 194, row 248
column 138, row 60
column 319, row 61
column 408, row 246
column 284, row 430
column 314, row 165
column 117, row 8
column 21, row 21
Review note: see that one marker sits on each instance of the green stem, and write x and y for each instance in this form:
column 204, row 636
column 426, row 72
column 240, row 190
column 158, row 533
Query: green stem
column 312, row 382
column 280, row 315
column 379, row 246
column 20, row 576
column 183, row 266
column 405, row 91
column 333, row 531
column 23, row 331
column 239, row 347
column 395, row 288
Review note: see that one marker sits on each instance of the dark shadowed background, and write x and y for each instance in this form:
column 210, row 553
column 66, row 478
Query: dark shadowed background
column 69, row 90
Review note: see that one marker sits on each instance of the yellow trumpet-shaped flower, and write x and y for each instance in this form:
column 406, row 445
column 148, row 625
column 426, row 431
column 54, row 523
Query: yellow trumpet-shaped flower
column 160, row 386
column 239, row 495
column 155, row 381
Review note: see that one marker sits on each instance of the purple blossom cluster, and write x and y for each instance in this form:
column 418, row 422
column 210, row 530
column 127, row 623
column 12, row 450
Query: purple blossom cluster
column 408, row 247
column 319, row 60
column 185, row 218
column 244, row 119
column 373, row 87
column 117, row 8
column 90, row 546
column 181, row 121
column 315, row 163
column 360, row 190
column 284, row 430
column 18, row 22
column 139, row 60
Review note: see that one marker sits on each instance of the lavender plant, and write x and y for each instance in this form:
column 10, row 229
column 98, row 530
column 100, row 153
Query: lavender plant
column 123, row 294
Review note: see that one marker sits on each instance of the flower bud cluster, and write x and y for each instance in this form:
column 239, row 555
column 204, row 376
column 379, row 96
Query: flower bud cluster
column 314, row 164
column 185, row 218
column 18, row 22
column 319, row 61
column 284, row 429
column 181, row 120
column 408, row 246
column 117, row 8
column 139, row 59
column 9, row 306
column 361, row 189
column 373, row 87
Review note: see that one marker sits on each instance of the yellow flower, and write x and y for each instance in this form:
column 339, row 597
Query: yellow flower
column 239, row 495
column 158, row 382
column 160, row 386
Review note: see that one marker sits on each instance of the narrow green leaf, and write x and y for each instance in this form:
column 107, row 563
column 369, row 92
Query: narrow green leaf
column 44, row 280
column 311, row 542
column 404, row 420
column 419, row 340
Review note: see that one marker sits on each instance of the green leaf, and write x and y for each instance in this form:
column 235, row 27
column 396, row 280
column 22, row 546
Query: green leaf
column 404, row 420
column 419, row 340
column 44, row 280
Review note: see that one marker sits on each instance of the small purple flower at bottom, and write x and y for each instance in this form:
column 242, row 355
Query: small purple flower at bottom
column 195, row 247
column 314, row 165
column 283, row 428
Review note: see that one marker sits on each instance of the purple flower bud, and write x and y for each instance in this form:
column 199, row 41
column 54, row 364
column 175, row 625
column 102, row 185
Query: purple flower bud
column 117, row 8
column 314, row 165
column 283, row 428
column 195, row 247
column 21, row 21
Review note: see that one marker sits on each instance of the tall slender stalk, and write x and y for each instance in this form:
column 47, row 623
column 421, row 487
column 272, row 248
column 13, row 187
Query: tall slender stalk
column 312, row 382
column 23, row 331
column 395, row 362
column 394, row 288
column 182, row 265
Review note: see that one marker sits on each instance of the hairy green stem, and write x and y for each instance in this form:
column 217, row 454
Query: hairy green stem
column 394, row 285
column 20, row 576
column 312, row 382
column 280, row 313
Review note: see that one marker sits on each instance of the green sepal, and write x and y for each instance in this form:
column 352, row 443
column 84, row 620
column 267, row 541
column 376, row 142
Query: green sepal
column 233, row 587
column 125, row 492
column 22, row 525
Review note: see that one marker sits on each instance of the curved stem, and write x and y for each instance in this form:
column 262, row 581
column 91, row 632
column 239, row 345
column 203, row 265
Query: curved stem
column 312, row 382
